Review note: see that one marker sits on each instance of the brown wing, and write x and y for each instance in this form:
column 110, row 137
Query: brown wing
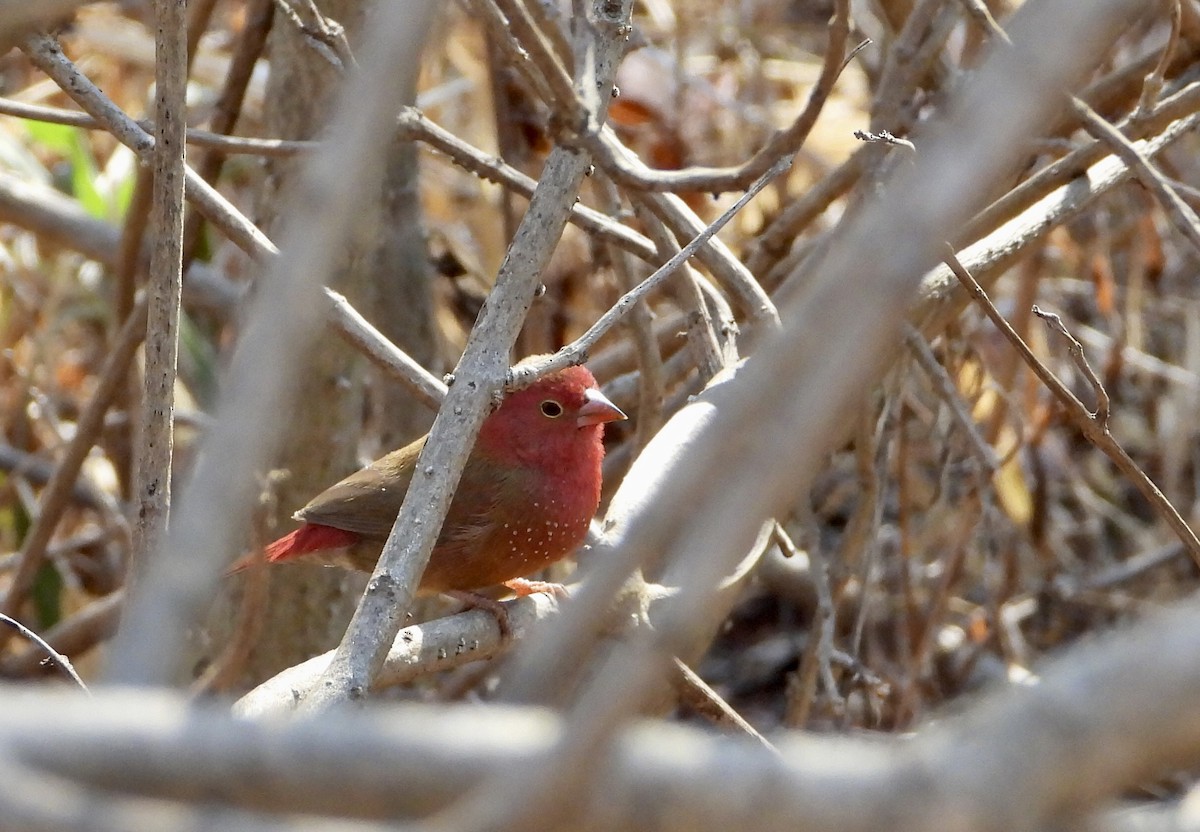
column 367, row 501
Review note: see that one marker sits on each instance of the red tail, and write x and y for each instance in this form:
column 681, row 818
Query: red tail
column 309, row 538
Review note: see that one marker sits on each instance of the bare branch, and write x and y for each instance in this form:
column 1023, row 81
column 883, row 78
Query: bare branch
column 286, row 314
column 164, row 288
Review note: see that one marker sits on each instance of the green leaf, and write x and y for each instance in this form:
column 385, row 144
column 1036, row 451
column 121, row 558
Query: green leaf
column 58, row 138
column 71, row 143
column 47, row 596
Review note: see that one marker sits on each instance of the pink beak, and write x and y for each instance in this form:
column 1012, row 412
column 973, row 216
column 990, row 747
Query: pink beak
column 598, row 409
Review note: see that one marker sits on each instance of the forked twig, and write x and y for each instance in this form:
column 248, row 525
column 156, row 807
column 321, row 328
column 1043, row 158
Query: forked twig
column 1089, row 424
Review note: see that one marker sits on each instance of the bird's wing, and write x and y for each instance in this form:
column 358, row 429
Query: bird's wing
column 367, row 501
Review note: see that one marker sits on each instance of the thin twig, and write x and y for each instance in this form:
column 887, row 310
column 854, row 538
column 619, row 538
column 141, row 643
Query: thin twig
column 57, row 493
column 1097, row 434
column 696, row 694
column 978, row 11
column 529, row 38
column 641, row 322
column 324, row 35
column 948, row 393
column 410, row 124
column 701, row 336
column 1152, row 87
column 417, row 651
column 785, row 143
column 50, row 214
column 228, row 107
column 817, row 660
column 576, row 352
column 359, row 332
column 1053, row 321
column 1067, row 169
column 46, row 53
column 75, row 634
column 230, row 145
column 1180, row 213
column 53, row 656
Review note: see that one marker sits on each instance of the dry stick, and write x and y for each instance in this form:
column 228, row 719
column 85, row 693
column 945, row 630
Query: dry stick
column 948, row 393
column 133, row 238
column 480, row 373
column 1181, row 214
column 696, row 694
column 285, row 316
column 228, row 107
column 1154, row 81
column 725, row 268
column 418, row 650
column 325, row 36
column 57, row 494
column 903, row 64
column 641, row 322
column 47, row 55
column 362, row 335
column 978, row 11
column 411, row 124
column 1005, row 763
column 53, row 656
column 1182, row 103
column 164, row 288
column 951, row 573
column 34, row 802
column 39, row 469
column 702, row 338
column 517, row 56
column 248, row 621
column 199, row 15
column 1089, row 424
column 1103, row 404
column 75, row 634
column 779, row 236
column 132, row 257
column 672, row 210
column 577, row 351
column 786, row 142
column 540, row 54
column 1109, row 577
column 51, row 214
column 229, row 145
column 815, row 661
column 697, row 524
column 942, row 298
column 549, row 20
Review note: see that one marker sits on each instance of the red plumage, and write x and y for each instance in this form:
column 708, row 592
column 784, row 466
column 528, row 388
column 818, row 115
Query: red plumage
column 529, row 489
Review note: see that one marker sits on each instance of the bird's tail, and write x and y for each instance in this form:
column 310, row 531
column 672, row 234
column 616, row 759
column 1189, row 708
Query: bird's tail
column 309, row 538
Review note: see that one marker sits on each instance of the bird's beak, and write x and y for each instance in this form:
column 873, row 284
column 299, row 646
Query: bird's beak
column 598, row 409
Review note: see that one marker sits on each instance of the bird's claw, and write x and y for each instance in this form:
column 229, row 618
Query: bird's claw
column 522, row 587
column 482, row 602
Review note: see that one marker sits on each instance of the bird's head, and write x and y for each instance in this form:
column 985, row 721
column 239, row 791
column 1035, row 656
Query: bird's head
column 557, row 417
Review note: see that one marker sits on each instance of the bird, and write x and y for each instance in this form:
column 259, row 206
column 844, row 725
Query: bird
column 528, row 492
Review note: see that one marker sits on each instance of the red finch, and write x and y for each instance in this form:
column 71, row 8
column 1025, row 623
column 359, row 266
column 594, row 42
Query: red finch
column 530, row 487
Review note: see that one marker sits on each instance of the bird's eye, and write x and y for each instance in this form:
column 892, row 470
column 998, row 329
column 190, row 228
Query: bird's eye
column 551, row 408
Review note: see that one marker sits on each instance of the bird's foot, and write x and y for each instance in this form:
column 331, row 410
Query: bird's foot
column 522, row 587
column 475, row 601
